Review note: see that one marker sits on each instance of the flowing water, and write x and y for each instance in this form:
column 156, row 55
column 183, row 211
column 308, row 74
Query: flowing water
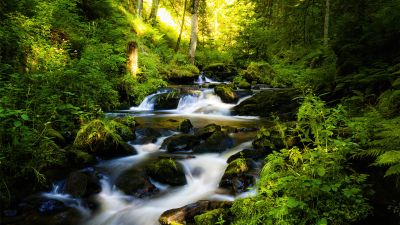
column 203, row 172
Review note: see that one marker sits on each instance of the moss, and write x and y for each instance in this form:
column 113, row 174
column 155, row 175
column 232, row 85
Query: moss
column 210, row 217
column 261, row 72
column 239, row 165
column 240, row 82
column 226, row 94
column 167, row 171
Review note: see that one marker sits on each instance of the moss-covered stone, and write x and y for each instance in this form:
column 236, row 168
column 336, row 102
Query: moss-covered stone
column 167, row 101
column 205, row 132
column 79, row 159
column 226, row 94
column 210, row 217
column 239, row 176
column 82, row 184
column 259, row 72
column 220, row 71
column 167, row 171
column 180, row 74
column 218, row 142
column 180, row 142
column 281, row 103
column 185, row 126
column 135, row 183
column 186, row 214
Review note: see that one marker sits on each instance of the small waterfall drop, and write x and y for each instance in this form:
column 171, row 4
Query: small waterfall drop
column 148, row 103
column 202, row 79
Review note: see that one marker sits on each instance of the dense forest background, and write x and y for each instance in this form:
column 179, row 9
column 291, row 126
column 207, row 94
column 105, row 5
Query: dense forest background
column 64, row 63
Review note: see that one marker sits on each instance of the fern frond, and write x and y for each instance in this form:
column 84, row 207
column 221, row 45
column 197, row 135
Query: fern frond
column 370, row 153
column 393, row 170
column 388, row 158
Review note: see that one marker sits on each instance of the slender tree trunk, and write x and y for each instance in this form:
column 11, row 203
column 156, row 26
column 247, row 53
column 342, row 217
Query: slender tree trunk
column 154, row 10
column 133, row 56
column 195, row 27
column 178, row 42
column 139, row 8
column 326, row 23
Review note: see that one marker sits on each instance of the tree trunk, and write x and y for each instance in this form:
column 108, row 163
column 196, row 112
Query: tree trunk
column 195, row 26
column 133, row 56
column 178, row 42
column 154, row 10
column 139, row 8
column 326, row 23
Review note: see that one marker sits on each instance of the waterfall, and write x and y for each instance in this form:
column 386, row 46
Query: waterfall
column 202, row 79
column 148, row 103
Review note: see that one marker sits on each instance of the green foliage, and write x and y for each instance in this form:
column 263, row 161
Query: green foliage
column 304, row 187
column 260, row 72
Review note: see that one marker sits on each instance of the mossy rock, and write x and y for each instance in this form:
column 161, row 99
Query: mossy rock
column 239, row 176
column 82, row 184
column 187, row 213
column 167, row 101
column 180, row 142
column 267, row 103
column 79, row 159
column 205, row 132
column 216, row 143
column 254, row 154
column 259, row 72
column 167, row 171
column 220, row 71
column 180, row 74
column 210, row 217
column 226, row 94
column 135, row 183
column 269, row 139
column 185, row 126
column 105, row 138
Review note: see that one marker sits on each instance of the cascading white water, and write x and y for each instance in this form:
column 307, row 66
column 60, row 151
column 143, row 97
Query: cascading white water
column 148, row 102
column 206, row 102
column 203, row 174
column 201, row 79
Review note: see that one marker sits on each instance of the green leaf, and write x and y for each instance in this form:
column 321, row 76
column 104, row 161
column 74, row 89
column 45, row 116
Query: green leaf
column 321, row 171
column 322, row 221
column 25, row 117
column 292, row 202
column 17, row 123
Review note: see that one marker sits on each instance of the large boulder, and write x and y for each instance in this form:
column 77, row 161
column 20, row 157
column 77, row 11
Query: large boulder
column 239, row 176
column 186, row 214
column 226, row 94
column 180, row 142
column 185, row 126
column 207, row 131
column 82, row 184
column 167, row 101
column 146, row 135
column 135, row 183
column 166, row 171
column 220, row 71
column 216, row 143
column 281, row 103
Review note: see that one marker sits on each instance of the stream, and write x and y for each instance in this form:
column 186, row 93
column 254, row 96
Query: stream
column 203, row 172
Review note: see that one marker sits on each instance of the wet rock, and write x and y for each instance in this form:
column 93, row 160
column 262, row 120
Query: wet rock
column 254, row 154
column 167, row 171
column 185, row 126
column 180, row 142
column 167, row 101
column 186, row 214
column 79, row 159
column 220, row 71
column 226, row 94
column 50, row 206
column 82, row 184
column 281, row 103
column 207, row 131
column 135, row 183
column 239, row 176
column 111, row 149
column 218, row 142
column 146, row 135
